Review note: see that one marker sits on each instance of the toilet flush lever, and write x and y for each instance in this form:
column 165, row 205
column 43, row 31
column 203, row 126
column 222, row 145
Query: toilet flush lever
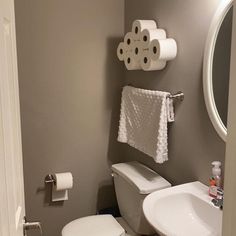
column 32, row 226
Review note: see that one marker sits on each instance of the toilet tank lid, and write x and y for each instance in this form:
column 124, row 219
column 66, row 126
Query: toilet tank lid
column 144, row 179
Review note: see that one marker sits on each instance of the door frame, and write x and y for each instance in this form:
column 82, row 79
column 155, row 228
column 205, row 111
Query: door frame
column 12, row 210
column 229, row 212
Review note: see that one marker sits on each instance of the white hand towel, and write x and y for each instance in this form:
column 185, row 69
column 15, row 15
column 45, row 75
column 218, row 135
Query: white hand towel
column 143, row 121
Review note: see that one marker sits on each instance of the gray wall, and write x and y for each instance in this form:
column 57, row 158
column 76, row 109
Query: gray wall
column 193, row 142
column 70, row 83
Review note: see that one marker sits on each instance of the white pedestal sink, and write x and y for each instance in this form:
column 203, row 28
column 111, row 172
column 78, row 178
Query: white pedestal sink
column 183, row 210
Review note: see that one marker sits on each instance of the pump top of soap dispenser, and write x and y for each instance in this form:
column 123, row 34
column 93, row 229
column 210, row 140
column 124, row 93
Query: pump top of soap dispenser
column 216, row 170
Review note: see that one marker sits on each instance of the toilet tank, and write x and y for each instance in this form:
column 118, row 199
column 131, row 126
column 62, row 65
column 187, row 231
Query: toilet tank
column 133, row 182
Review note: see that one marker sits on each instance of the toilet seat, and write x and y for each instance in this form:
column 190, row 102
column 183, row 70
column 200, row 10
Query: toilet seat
column 97, row 225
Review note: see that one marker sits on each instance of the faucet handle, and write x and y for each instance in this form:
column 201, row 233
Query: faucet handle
column 219, row 200
column 220, row 193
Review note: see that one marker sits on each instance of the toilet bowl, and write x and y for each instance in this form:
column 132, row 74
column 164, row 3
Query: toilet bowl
column 133, row 182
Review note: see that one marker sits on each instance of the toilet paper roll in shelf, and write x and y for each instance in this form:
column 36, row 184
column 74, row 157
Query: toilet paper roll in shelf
column 131, row 63
column 121, row 51
column 128, row 40
column 139, row 25
column 136, row 50
column 163, row 49
column 148, row 64
column 146, row 47
column 148, row 35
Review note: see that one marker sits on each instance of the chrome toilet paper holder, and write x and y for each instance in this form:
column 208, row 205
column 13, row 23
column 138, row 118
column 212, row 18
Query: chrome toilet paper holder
column 49, row 179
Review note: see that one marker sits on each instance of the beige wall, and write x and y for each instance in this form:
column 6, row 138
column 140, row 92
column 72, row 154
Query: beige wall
column 70, row 82
column 193, row 142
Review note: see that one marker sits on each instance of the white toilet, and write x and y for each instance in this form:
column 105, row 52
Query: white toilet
column 133, row 182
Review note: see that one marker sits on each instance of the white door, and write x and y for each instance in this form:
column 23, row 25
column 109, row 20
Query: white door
column 12, row 207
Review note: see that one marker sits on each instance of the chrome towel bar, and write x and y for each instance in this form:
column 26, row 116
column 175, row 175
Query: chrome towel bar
column 176, row 96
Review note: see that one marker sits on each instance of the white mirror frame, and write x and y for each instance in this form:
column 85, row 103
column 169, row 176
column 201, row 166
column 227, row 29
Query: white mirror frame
column 207, row 68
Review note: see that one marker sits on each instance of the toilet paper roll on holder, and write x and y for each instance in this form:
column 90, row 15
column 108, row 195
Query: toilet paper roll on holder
column 50, row 179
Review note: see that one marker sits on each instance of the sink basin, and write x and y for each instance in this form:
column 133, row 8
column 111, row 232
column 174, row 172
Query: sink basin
column 183, row 210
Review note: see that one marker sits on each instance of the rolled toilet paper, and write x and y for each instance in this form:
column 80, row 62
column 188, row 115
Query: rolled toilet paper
column 121, row 51
column 136, row 50
column 163, row 49
column 128, row 41
column 137, row 38
column 131, row 63
column 64, row 181
column 139, row 25
column 148, row 64
column 148, row 35
column 58, row 196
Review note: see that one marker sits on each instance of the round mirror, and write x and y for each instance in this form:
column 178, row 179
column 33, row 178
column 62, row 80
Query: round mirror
column 216, row 67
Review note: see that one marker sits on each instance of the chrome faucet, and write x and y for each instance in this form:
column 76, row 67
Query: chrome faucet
column 218, row 202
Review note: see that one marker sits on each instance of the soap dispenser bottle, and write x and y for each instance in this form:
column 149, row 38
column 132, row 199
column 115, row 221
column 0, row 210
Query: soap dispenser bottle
column 215, row 180
column 216, row 172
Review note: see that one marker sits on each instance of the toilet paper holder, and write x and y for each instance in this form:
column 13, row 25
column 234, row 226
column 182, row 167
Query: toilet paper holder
column 146, row 47
column 49, row 179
